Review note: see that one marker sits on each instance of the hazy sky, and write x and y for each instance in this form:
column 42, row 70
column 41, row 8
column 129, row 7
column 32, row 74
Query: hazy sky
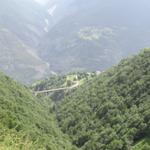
column 41, row 1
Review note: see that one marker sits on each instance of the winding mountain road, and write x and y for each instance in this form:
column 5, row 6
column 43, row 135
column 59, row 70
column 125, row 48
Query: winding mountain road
column 57, row 89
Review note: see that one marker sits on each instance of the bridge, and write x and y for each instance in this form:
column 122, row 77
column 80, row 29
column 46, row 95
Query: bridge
column 57, row 89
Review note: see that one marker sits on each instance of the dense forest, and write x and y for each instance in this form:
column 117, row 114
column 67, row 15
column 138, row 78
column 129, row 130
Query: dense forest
column 61, row 84
column 112, row 111
column 107, row 111
column 26, row 122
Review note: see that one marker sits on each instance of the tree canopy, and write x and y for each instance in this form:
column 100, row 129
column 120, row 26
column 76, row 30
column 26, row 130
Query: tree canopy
column 112, row 111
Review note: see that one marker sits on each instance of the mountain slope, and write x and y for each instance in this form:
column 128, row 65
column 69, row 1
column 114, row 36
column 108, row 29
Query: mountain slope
column 142, row 145
column 26, row 122
column 71, row 36
column 22, row 24
column 24, row 18
column 111, row 111
column 96, row 35
column 18, row 60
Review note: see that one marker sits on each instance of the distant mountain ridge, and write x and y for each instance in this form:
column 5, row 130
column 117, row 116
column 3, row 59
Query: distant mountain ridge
column 19, row 60
column 74, row 35
column 93, row 35
column 22, row 25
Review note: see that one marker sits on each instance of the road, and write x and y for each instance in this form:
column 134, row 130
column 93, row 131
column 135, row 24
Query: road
column 57, row 89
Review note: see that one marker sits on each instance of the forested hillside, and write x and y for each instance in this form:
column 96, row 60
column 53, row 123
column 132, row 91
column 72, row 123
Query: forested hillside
column 67, row 98
column 111, row 112
column 26, row 122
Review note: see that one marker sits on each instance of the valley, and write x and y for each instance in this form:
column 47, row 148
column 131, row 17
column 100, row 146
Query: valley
column 108, row 110
column 74, row 75
column 97, row 115
column 64, row 36
column 76, row 84
column 60, row 85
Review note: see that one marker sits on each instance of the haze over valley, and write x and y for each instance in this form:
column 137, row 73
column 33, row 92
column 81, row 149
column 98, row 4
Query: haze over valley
column 65, row 36
column 74, row 75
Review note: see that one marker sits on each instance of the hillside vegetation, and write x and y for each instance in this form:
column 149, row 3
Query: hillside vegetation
column 112, row 111
column 26, row 122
